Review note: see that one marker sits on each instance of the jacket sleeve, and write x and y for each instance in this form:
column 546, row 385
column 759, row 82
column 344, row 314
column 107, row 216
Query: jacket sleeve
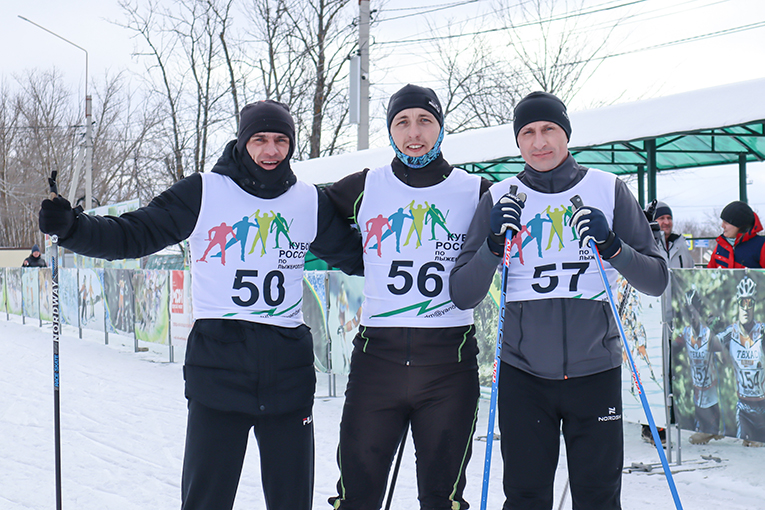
column 337, row 243
column 168, row 219
column 474, row 269
column 639, row 260
column 346, row 195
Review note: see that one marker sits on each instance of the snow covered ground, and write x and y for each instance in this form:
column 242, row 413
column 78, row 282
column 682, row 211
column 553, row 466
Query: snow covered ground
column 123, row 424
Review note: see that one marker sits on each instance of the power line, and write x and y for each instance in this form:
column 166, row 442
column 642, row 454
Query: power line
column 709, row 35
column 430, row 9
column 512, row 27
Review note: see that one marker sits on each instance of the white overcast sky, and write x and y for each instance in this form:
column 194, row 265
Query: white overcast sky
column 652, row 59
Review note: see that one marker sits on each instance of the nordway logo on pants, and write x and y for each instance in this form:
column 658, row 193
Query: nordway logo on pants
column 307, row 420
column 611, row 415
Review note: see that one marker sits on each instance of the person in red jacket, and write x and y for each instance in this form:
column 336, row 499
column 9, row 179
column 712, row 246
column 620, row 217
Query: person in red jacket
column 739, row 245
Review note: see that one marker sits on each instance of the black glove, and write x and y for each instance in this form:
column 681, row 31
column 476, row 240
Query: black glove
column 506, row 214
column 591, row 223
column 57, row 217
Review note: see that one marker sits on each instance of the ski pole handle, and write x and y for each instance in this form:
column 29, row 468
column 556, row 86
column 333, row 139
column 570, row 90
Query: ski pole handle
column 52, row 185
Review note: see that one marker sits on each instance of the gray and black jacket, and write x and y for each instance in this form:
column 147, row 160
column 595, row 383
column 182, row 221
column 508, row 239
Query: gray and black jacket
column 561, row 338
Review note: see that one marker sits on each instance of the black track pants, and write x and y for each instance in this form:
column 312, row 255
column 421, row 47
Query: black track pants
column 215, row 446
column 381, row 399
column 531, row 410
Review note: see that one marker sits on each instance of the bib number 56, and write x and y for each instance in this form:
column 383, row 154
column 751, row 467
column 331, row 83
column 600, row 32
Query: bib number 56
column 429, row 284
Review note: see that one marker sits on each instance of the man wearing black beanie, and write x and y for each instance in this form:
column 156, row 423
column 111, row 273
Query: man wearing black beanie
column 740, row 244
column 249, row 357
column 561, row 350
column 414, row 357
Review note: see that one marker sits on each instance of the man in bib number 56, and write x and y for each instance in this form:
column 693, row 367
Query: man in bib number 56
column 249, row 359
column 414, row 357
column 561, row 352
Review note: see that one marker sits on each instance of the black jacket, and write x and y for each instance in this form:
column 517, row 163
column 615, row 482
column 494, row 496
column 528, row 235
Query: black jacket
column 33, row 261
column 411, row 346
column 231, row 365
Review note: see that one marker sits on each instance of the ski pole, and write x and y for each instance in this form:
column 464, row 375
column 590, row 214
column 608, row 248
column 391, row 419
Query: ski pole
column 577, row 201
column 497, row 353
column 395, row 470
column 56, row 335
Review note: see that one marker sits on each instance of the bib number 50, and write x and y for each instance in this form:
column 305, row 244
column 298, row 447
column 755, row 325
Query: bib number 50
column 425, row 278
column 273, row 283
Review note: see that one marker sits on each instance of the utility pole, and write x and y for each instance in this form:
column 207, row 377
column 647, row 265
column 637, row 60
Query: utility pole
column 363, row 127
column 88, row 129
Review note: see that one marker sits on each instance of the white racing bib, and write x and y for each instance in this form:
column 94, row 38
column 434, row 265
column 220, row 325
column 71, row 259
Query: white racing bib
column 546, row 261
column 248, row 252
column 412, row 237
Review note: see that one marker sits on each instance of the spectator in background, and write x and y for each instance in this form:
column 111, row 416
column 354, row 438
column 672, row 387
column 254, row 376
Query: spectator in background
column 35, row 259
column 739, row 245
column 675, row 246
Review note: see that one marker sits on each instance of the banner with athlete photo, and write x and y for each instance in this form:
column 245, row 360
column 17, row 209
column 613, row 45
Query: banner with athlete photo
column 315, row 316
column 718, row 357
column 118, row 295
column 152, row 317
column 641, row 318
column 13, row 292
column 180, row 306
column 30, row 292
column 346, row 294
column 68, row 296
column 91, row 309
column 45, row 281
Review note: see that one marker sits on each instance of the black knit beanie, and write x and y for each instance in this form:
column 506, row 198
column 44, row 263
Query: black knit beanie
column 414, row 96
column 265, row 117
column 738, row 214
column 541, row 106
column 661, row 210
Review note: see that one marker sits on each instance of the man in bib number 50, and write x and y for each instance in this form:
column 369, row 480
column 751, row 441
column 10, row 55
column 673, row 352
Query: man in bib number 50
column 249, row 359
column 561, row 352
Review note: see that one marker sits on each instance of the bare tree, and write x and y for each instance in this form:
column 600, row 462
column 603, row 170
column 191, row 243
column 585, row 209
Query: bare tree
column 184, row 43
column 478, row 89
column 549, row 51
column 302, row 62
column 547, row 37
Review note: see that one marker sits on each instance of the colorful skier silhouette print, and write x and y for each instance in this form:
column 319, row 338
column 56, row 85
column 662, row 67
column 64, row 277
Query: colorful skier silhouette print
column 242, row 230
column 264, row 224
column 373, row 228
column 217, row 237
column 551, row 222
column 436, row 218
column 282, row 227
column 418, row 216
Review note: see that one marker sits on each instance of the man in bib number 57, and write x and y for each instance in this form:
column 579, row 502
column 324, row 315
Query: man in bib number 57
column 561, row 352
column 249, row 359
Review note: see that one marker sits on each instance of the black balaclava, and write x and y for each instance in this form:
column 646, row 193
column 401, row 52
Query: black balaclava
column 414, row 96
column 266, row 117
column 540, row 106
